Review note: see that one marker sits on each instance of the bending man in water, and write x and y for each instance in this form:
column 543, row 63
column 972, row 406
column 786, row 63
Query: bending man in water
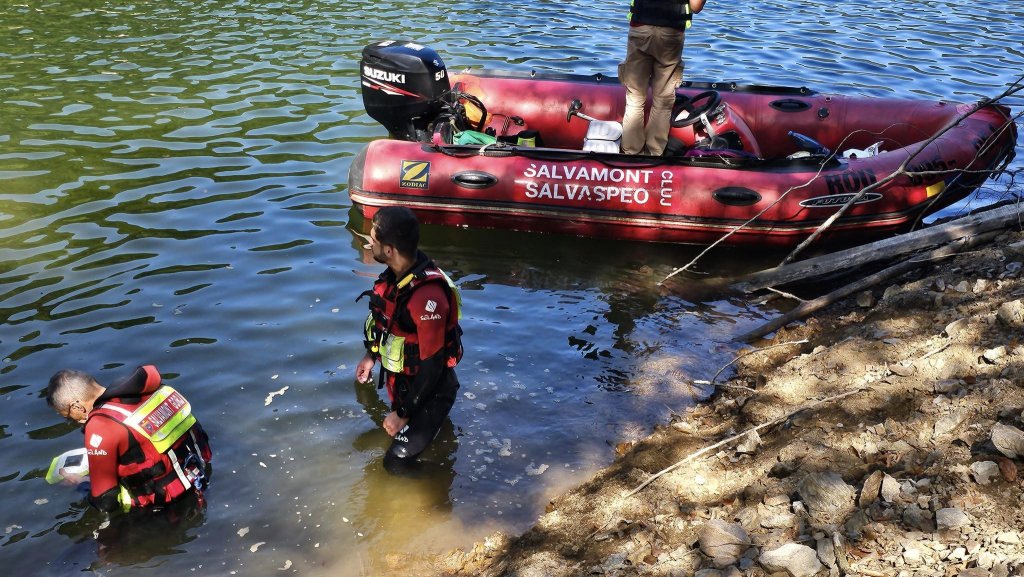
column 146, row 449
column 413, row 329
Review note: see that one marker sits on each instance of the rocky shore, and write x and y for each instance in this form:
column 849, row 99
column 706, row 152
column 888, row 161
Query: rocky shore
column 908, row 468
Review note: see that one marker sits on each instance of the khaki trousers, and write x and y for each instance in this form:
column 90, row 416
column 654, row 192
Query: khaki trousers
column 653, row 59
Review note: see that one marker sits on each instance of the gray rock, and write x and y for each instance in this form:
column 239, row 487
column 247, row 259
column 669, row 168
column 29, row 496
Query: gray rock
column 827, row 552
column 912, row 554
column 751, row 441
column 1015, row 248
column 903, row 369
column 984, row 471
column 870, row 491
column 775, row 518
column 956, row 327
column 829, row 499
column 992, row 355
column 724, row 542
column 1008, row 440
column 919, row 519
column 799, row 510
column 1009, row 537
column 1011, row 314
column 723, row 562
column 974, row 572
column 865, row 300
column 797, row 560
column 611, row 563
column 986, row 560
column 708, row 573
column 949, row 423
column 890, row 489
column 951, row 518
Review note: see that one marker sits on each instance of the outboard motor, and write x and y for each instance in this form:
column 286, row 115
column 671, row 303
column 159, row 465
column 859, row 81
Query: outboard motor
column 403, row 85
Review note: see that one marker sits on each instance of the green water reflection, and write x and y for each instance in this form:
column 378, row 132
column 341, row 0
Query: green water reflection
column 172, row 192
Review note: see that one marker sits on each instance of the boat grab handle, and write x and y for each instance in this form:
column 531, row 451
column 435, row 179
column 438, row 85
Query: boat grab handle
column 790, row 105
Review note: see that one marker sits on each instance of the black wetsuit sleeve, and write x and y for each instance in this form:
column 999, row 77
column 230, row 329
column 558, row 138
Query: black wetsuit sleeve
column 424, row 384
column 144, row 381
column 107, row 501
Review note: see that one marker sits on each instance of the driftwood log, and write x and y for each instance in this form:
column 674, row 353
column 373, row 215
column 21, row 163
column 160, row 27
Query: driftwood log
column 883, row 250
column 821, row 302
column 953, row 237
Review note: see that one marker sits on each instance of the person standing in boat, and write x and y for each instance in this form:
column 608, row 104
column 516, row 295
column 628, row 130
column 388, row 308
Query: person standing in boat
column 413, row 330
column 653, row 60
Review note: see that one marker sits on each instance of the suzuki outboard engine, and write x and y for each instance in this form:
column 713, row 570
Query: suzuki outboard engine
column 403, row 85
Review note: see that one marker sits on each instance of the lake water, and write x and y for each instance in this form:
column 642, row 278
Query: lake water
column 172, row 191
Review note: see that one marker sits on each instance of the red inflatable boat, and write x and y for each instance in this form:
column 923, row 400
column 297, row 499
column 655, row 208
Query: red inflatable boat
column 539, row 153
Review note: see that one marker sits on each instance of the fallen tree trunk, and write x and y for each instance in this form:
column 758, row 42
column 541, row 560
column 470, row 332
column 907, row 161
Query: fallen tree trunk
column 819, row 303
column 888, row 249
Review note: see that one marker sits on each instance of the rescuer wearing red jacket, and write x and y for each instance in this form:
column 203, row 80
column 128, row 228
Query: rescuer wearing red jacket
column 145, row 447
column 413, row 330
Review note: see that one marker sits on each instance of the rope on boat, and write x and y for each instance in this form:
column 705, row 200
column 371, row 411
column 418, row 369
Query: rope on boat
column 1015, row 88
column 902, row 169
column 500, row 149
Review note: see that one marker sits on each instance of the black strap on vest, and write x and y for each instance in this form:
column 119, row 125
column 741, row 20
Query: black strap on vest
column 401, row 301
column 668, row 13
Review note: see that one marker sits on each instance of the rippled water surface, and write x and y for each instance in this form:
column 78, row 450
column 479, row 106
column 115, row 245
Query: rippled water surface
column 172, row 191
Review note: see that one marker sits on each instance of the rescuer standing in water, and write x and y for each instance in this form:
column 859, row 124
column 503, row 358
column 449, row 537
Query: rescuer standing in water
column 145, row 447
column 413, row 330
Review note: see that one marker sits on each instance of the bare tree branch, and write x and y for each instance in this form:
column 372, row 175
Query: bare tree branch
column 728, row 440
column 902, row 169
column 1014, row 88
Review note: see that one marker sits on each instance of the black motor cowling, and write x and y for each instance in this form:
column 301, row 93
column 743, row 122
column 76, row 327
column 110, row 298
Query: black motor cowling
column 403, row 85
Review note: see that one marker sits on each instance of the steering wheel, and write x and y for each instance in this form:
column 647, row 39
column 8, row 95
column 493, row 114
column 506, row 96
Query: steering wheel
column 696, row 107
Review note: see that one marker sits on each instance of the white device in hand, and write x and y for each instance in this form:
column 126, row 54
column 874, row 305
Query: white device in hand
column 75, row 461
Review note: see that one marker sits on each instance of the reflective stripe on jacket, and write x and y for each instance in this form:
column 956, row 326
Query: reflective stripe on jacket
column 389, row 331
column 167, row 449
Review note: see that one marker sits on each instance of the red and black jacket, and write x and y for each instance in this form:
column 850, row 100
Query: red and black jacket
column 120, row 456
column 390, row 312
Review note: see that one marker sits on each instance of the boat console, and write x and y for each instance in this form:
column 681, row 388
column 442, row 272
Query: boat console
column 705, row 121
